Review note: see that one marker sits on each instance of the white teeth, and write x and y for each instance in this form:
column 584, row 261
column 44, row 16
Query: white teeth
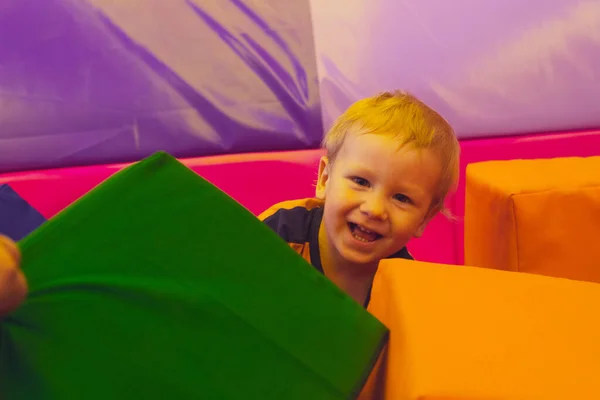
column 358, row 233
column 360, row 238
column 364, row 230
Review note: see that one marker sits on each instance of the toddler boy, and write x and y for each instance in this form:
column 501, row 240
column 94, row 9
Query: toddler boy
column 390, row 163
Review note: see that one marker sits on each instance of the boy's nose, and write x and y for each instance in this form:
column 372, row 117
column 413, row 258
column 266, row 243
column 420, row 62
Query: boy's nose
column 374, row 207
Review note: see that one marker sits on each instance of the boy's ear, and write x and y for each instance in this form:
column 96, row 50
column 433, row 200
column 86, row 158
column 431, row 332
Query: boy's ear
column 421, row 229
column 323, row 177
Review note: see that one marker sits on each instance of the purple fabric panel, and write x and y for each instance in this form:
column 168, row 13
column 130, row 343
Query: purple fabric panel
column 98, row 81
column 490, row 67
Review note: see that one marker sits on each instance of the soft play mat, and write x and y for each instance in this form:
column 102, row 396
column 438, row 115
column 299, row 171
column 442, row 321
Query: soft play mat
column 17, row 217
column 157, row 285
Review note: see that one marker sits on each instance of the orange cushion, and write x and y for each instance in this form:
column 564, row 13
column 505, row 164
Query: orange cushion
column 536, row 216
column 475, row 333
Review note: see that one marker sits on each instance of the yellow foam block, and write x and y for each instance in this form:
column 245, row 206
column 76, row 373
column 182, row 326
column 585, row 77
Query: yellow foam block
column 473, row 333
column 536, row 216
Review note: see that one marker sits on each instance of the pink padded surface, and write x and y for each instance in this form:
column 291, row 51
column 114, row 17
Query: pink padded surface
column 255, row 180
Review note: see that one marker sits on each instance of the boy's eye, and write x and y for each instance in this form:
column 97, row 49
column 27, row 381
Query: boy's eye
column 402, row 198
column 360, row 181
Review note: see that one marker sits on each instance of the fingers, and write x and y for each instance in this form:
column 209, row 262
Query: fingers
column 13, row 285
column 12, row 249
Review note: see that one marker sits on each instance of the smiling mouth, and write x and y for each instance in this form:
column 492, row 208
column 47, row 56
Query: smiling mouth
column 363, row 235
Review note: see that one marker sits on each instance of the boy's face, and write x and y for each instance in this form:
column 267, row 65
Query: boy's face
column 377, row 197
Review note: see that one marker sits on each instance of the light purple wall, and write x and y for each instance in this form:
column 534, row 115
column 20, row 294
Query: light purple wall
column 491, row 67
column 99, row 81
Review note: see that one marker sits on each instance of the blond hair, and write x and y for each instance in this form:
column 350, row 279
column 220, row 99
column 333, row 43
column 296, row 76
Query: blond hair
column 408, row 120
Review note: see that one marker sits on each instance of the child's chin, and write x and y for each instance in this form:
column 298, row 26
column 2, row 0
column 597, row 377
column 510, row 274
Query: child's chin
column 359, row 259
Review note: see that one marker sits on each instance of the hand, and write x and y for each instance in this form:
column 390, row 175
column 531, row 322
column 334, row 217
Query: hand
column 13, row 285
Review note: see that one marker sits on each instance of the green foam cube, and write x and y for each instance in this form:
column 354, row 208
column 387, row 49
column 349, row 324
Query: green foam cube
column 157, row 285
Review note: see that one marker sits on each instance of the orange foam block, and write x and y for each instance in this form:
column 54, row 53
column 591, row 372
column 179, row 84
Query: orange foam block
column 473, row 333
column 535, row 216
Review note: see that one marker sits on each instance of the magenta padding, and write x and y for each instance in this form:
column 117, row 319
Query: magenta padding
column 255, row 180
column 259, row 180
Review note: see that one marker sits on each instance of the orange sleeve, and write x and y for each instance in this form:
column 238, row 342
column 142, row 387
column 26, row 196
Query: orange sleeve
column 308, row 203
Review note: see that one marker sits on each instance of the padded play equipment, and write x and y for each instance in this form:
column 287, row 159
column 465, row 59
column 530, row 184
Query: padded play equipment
column 17, row 217
column 549, row 145
column 241, row 91
column 157, row 285
column 477, row 334
column 537, row 216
